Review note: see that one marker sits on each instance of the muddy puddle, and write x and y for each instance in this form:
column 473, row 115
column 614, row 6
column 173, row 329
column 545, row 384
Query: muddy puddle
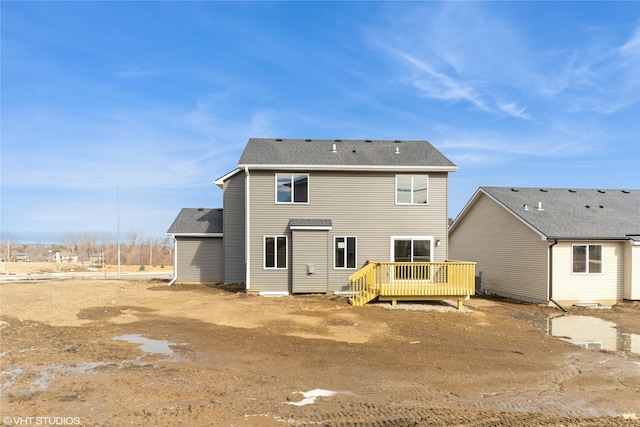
column 148, row 345
column 42, row 378
column 588, row 331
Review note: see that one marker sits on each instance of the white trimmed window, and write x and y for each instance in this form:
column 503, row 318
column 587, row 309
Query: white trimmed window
column 344, row 252
column 292, row 188
column 587, row 259
column 412, row 189
column 275, row 252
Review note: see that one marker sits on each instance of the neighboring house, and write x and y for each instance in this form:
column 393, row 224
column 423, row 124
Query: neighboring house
column 302, row 215
column 97, row 259
column 198, row 245
column 19, row 257
column 64, row 257
column 552, row 244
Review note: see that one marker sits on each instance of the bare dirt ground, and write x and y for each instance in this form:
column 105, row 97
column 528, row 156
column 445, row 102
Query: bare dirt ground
column 135, row 352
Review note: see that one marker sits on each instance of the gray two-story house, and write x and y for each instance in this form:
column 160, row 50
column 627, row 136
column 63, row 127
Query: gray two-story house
column 302, row 215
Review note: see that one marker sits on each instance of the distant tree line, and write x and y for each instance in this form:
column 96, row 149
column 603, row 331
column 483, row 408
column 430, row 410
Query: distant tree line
column 134, row 250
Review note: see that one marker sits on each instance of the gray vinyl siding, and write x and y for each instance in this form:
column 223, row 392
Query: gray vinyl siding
column 511, row 258
column 199, row 259
column 360, row 204
column 310, row 248
column 234, row 229
column 606, row 287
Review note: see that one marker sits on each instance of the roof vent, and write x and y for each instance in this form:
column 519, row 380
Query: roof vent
column 333, row 148
column 543, row 190
column 601, row 191
column 515, row 190
column 601, row 207
column 587, row 206
column 200, row 209
column 397, row 150
column 278, row 139
column 367, row 140
column 572, row 191
column 338, row 140
column 353, row 151
column 308, row 140
column 625, row 191
column 526, row 207
column 397, row 141
column 539, row 206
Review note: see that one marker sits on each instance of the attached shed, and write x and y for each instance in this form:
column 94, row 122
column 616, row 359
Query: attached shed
column 199, row 250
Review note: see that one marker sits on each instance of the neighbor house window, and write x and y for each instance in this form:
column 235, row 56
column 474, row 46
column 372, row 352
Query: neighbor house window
column 587, row 258
column 412, row 189
column 275, row 252
column 344, row 252
column 292, row 188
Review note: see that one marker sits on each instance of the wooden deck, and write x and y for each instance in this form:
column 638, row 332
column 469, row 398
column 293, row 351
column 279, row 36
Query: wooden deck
column 412, row 281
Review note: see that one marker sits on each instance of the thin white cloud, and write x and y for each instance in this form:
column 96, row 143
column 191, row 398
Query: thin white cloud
column 514, row 110
column 134, row 72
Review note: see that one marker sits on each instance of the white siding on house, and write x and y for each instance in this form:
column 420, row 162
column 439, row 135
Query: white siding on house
column 511, row 258
column 605, row 287
column 631, row 271
column 199, row 259
column 360, row 204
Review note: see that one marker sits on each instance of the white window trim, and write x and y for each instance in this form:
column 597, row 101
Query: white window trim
column 355, row 267
column 264, row 252
column 412, row 203
column 292, row 174
column 588, row 273
column 394, row 238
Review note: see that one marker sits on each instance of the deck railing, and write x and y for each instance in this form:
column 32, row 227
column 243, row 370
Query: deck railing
column 404, row 280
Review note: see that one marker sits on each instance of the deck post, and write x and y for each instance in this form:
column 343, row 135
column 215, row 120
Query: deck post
column 460, row 304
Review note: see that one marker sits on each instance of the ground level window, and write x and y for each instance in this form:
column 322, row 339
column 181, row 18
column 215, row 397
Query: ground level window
column 587, row 258
column 275, row 252
column 412, row 250
column 344, row 252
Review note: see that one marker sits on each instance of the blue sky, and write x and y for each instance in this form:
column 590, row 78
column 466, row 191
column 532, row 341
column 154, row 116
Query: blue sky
column 159, row 98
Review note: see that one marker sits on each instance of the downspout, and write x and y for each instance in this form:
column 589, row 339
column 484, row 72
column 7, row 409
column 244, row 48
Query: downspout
column 175, row 261
column 247, row 227
column 555, row 242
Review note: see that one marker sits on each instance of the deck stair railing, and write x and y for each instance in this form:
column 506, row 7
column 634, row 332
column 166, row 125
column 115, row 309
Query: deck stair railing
column 412, row 281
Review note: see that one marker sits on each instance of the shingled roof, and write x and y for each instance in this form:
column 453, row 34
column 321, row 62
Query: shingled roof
column 565, row 213
column 197, row 222
column 341, row 154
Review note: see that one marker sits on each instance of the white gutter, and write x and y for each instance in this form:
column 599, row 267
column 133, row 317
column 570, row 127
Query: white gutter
column 362, row 168
column 175, row 261
column 247, row 228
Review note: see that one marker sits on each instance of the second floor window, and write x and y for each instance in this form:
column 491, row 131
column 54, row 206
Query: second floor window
column 412, row 189
column 292, row 188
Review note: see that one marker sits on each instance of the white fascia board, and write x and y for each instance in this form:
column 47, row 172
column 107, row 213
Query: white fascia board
column 311, row 227
column 195, row 234
column 220, row 181
column 362, row 168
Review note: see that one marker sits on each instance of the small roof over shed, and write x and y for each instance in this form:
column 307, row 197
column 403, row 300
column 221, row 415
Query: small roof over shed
column 197, row 222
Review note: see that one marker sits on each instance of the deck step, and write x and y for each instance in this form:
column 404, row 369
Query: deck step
column 363, row 298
